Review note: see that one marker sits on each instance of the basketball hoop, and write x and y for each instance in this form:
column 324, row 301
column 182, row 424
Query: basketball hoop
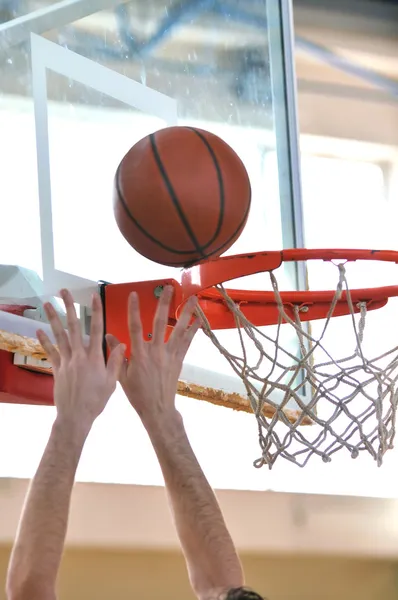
column 311, row 396
column 351, row 400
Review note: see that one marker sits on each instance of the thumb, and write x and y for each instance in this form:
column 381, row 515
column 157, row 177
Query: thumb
column 116, row 360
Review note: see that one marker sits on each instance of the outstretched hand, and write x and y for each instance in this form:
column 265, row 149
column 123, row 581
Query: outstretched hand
column 83, row 383
column 149, row 378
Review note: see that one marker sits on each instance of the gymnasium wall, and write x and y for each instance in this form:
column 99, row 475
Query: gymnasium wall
column 106, row 575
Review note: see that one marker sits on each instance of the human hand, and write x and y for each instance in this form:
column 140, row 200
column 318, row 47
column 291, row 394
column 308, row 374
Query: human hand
column 83, row 383
column 149, row 379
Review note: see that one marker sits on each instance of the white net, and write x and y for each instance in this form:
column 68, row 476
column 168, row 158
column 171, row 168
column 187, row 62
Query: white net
column 350, row 400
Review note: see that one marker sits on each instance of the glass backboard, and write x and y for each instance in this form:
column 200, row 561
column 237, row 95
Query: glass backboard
column 78, row 90
column 80, row 83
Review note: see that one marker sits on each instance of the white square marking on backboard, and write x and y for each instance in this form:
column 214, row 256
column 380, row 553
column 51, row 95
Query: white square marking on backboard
column 48, row 55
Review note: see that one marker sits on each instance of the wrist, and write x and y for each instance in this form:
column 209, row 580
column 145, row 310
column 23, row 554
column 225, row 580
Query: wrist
column 163, row 422
column 74, row 431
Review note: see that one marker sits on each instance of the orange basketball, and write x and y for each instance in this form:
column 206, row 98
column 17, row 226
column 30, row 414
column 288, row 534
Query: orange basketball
column 182, row 195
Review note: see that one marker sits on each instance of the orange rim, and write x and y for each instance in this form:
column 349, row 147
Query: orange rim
column 260, row 307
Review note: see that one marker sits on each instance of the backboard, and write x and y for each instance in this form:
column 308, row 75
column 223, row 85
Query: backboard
column 82, row 83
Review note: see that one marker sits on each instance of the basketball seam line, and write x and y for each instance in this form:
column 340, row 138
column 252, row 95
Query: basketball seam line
column 169, row 249
column 173, row 196
column 155, row 241
column 220, row 185
column 240, row 226
column 138, row 224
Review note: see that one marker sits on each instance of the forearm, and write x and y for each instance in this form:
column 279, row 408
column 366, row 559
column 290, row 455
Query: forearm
column 208, row 548
column 38, row 548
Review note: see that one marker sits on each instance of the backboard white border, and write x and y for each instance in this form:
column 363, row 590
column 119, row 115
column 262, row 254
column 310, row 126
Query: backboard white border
column 49, row 17
column 48, row 55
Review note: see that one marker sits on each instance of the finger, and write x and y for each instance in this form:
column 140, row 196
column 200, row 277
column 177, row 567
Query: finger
column 134, row 323
column 74, row 330
column 186, row 340
column 113, row 344
column 116, row 361
column 58, row 330
column 97, row 327
column 111, row 341
column 162, row 316
column 192, row 331
column 183, row 321
column 49, row 348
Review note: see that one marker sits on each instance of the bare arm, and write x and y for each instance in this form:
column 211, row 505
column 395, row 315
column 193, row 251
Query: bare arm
column 212, row 561
column 150, row 382
column 82, row 387
column 38, row 548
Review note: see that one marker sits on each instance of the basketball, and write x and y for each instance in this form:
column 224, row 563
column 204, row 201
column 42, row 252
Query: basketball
column 181, row 196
